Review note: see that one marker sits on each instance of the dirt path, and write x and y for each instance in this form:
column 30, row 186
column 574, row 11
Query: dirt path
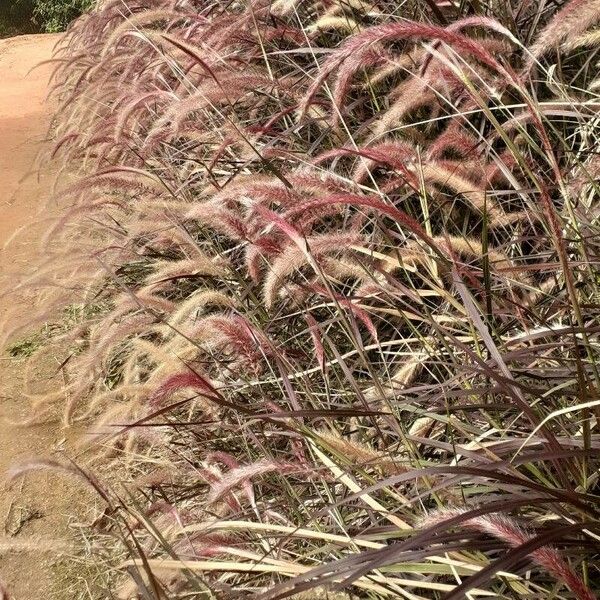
column 38, row 508
column 24, row 120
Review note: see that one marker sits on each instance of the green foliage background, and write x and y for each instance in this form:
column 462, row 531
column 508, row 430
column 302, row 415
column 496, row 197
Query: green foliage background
column 16, row 17
column 55, row 15
column 30, row 16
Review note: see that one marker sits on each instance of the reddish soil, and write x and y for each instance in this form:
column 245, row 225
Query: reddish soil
column 35, row 512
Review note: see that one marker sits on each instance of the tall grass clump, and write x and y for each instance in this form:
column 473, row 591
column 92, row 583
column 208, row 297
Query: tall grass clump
column 348, row 256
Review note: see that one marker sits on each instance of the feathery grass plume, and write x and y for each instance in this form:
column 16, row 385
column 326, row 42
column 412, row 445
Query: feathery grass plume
column 181, row 269
column 336, row 23
column 293, row 258
column 590, row 38
column 243, row 474
column 136, row 22
column 356, row 47
column 360, row 454
column 190, row 309
column 178, row 381
column 506, row 529
column 400, row 380
column 569, row 22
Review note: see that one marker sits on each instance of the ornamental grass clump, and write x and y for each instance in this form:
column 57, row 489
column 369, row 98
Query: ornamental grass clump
column 347, row 253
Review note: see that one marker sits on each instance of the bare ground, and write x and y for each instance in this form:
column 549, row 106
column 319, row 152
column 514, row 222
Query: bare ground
column 36, row 513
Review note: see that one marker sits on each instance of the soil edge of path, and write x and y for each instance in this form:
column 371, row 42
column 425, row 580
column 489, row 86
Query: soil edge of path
column 38, row 512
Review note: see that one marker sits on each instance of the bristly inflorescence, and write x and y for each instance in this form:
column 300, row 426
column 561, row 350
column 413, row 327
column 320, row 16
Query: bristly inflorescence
column 346, row 256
